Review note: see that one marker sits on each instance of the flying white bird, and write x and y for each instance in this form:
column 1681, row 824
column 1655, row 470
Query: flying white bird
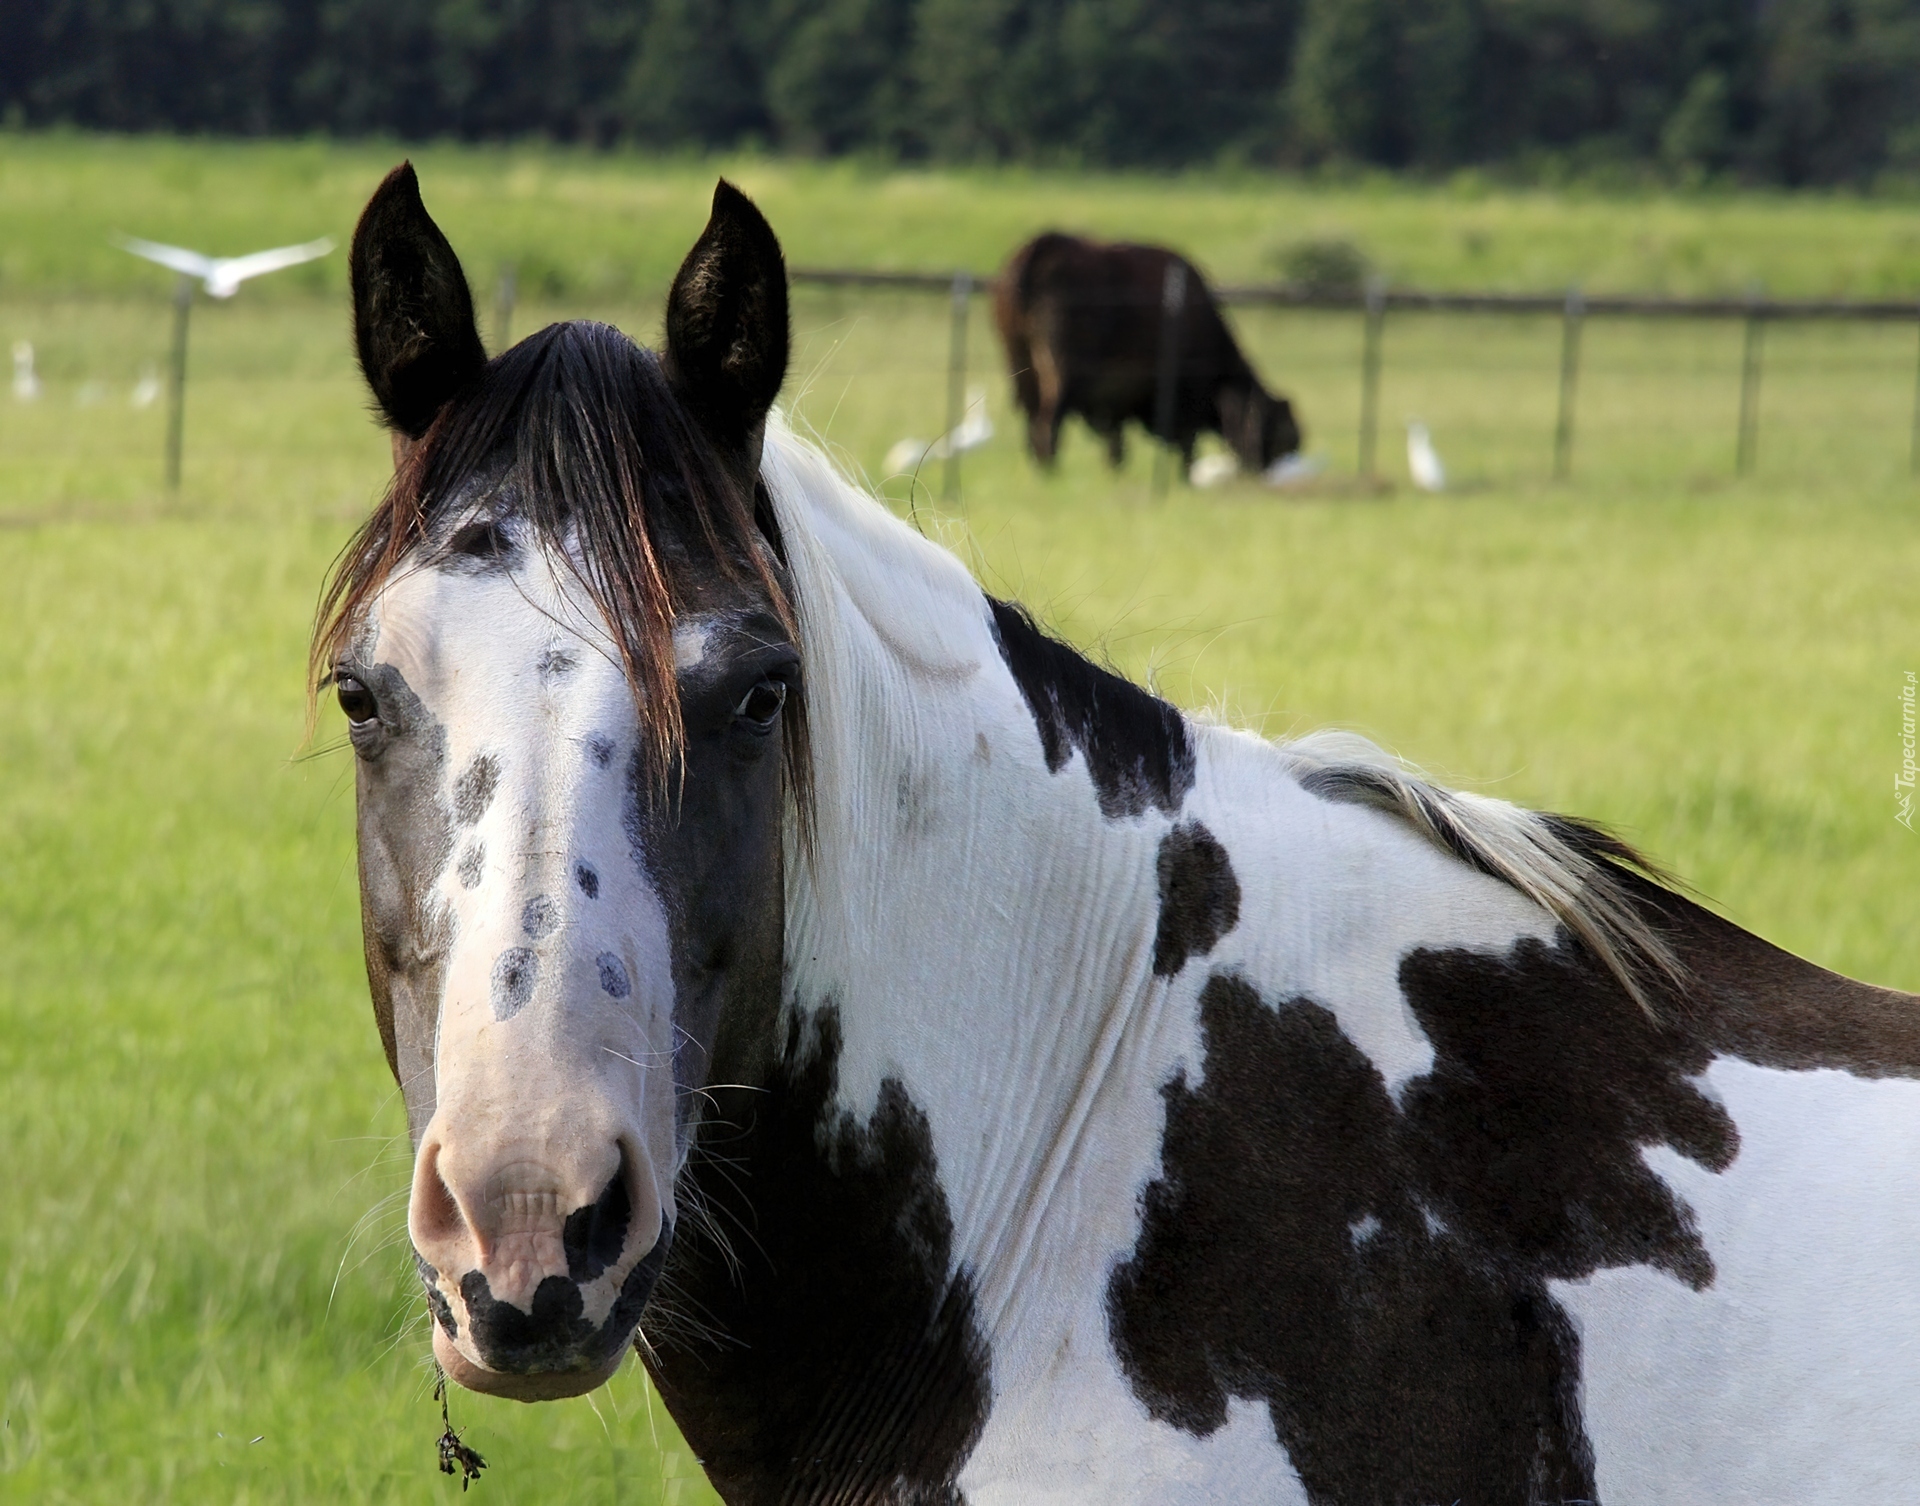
column 222, row 275
column 26, row 382
column 1423, row 460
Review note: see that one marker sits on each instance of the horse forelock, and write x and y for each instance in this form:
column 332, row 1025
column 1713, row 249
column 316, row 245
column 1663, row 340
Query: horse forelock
column 578, row 433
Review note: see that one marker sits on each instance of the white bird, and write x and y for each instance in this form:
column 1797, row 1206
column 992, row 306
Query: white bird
column 26, row 382
column 1423, row 460
column 973, row 430
column 905, row 456
column 147, row 389
column 1213, row 469
column 1292, row 470
column 222, row 275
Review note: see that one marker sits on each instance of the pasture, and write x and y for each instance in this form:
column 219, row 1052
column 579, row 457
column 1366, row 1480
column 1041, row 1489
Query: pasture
column 206, row 1161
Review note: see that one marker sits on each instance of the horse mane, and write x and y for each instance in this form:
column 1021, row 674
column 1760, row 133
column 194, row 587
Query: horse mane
column 580, row 424
column 1576, row 871
column 925, row 604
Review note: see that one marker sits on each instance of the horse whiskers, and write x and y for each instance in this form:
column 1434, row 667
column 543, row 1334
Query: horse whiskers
column 671, row 1321
column 699, row 1216
column 379, row 1209
column 406, row 1328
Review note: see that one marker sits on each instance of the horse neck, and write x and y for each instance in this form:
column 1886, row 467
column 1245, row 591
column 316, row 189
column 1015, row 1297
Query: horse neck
column 983, row 932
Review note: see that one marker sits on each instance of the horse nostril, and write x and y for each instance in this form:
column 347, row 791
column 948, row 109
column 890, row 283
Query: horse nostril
column 435, row 1215
column 594, row 1236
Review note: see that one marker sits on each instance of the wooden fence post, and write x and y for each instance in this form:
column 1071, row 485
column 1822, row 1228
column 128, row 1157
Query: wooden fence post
column 1173, row 304
column 1913, row 443
column 1370, row 373
column 1569, row 383
column 956, row 383
column 503, row 309
column 1750, row 356
column 177, row 397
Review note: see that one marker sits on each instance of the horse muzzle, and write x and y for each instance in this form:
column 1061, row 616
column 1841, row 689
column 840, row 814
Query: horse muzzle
column 536, row 1270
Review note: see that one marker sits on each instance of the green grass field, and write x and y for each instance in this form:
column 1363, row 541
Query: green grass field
column 202, row 1145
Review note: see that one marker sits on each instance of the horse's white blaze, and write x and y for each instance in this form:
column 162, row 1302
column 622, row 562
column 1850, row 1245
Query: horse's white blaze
column 555, row 1041
column 1795, row 1378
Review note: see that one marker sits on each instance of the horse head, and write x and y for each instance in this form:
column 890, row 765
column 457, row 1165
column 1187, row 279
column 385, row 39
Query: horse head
column 566, row 650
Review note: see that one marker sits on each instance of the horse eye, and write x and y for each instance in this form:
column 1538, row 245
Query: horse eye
column 355, row 699
column 760, row 705
column 486, row 541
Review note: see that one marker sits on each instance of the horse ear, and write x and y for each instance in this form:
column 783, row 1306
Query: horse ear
column 727, row 336
column 412, row 313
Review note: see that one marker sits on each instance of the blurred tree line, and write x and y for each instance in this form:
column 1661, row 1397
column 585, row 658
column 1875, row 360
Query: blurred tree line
column 1791, row 91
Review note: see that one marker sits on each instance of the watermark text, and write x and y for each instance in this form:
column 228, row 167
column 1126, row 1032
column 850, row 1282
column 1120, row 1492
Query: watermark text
column 1903, row 781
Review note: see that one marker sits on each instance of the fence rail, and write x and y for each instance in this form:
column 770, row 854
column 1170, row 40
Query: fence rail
column 1375, row 300
column 1292, row 295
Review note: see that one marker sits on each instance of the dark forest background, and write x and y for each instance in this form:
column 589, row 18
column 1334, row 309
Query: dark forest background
column 1786, row 91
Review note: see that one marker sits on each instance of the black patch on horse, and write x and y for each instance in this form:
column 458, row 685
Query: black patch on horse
column 1286, row 1256
column 437, row 1303
column 556, row 1334
column 1199, row 897
column 594, row 1236
column 843, row 1360
column 1547, row 1082
column 1135, row 744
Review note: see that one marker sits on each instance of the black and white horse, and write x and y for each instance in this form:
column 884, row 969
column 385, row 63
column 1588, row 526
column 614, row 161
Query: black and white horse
column 970, row 1078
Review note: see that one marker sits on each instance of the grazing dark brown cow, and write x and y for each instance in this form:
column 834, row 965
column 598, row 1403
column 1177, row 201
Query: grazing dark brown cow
column 1083, row 324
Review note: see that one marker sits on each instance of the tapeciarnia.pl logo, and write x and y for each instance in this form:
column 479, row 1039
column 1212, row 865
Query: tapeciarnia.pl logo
column 1903, row 781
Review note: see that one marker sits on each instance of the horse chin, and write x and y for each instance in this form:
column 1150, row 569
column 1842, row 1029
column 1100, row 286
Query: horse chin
column 540, row 1385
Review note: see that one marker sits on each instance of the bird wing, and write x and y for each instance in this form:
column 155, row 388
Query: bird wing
column 231, row 271
column 177, row 257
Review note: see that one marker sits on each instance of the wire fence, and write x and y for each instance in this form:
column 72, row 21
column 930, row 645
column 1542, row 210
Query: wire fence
column 1380, row 308
column 1620, row 394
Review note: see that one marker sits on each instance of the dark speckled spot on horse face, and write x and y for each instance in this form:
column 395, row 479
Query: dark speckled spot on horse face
column 473, row 790
column 600, row 750
column 1199, row 897
column 613, row 976
column 541, row 917
column 473, row 863
column 555, row 662
column 588, row 878
column 514, row 974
